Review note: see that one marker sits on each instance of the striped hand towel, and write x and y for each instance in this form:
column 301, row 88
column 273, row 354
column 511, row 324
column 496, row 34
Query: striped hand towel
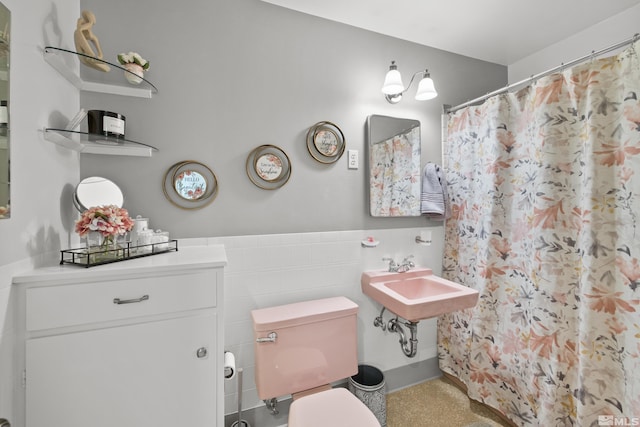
column 433, row 199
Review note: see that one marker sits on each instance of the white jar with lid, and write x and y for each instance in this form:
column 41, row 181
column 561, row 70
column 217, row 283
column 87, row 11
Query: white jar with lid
column 139, row 225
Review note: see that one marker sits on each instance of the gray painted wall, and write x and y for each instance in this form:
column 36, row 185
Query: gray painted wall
column 233, row 75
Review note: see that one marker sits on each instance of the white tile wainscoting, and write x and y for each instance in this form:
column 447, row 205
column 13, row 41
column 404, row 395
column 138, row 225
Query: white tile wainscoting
column 268, row 270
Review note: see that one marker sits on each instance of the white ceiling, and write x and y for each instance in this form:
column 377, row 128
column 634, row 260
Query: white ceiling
column 499, row 31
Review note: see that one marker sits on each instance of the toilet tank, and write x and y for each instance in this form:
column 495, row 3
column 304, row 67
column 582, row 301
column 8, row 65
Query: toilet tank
column 315, row 344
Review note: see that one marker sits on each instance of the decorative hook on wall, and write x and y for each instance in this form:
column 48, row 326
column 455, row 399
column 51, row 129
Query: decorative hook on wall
column 393, row 88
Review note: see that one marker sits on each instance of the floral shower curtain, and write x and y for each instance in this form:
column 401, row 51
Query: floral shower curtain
column 544, row 186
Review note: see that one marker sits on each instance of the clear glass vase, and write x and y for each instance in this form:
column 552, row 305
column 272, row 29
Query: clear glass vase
column 101, row 248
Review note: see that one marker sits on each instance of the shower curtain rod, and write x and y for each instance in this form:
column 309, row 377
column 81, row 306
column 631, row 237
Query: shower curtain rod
column 533, row 78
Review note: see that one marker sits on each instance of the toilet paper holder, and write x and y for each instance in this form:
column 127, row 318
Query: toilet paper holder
column 229, row 365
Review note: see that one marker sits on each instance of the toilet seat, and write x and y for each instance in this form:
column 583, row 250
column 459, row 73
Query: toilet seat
column 336, row 408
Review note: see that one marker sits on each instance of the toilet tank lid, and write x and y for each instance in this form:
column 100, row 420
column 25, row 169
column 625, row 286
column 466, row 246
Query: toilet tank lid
column 300, row 313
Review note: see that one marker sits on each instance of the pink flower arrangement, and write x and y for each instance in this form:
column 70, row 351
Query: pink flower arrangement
column 110, row 221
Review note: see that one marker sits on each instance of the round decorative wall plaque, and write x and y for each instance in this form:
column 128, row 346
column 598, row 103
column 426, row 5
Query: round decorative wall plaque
column 325, row 142
column 190, row 185
column 268, row 167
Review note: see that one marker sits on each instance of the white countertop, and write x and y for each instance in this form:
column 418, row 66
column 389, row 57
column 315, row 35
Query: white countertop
column 188, row 257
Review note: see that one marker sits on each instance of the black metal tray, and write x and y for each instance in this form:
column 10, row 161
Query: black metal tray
column 99, row 256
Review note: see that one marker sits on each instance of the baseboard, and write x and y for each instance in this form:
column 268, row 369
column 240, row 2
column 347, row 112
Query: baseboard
column 395, row 379
column 415, row 373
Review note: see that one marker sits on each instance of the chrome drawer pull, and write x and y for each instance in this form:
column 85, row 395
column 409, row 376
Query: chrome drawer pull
column 269, row 338
column 130, row 301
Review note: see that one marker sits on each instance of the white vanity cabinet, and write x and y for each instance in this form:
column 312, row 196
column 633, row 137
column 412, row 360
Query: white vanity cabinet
column 132, row 344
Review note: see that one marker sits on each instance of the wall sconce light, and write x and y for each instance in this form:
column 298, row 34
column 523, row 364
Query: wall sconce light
column 393, row 89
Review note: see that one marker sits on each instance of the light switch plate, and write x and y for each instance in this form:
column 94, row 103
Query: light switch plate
column 352, row 156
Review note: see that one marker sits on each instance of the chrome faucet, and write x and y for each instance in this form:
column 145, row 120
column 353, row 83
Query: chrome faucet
column 393, row 267
column 403, row 267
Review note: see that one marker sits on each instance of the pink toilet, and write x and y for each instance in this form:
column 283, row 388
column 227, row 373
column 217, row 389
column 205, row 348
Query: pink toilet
column 300, row 349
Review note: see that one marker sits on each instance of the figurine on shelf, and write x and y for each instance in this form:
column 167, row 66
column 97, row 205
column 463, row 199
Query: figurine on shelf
column 135, row 65
column 84, row 37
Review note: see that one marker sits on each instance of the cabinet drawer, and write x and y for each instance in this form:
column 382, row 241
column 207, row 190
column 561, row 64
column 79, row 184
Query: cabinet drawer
column 68, row 305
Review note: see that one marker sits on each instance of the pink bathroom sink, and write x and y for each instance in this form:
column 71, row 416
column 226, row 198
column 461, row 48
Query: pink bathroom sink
column 417, row 294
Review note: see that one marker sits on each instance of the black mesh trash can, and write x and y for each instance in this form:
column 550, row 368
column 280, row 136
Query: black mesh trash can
column 368, row 386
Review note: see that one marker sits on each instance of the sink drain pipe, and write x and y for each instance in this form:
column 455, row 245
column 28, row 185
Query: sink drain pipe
column 409, row 346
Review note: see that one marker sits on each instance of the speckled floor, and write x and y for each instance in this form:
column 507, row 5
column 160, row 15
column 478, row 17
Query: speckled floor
column 437, row 403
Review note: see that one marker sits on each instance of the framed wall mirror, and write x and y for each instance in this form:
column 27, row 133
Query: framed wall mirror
column 394, row 166
column 5, row 175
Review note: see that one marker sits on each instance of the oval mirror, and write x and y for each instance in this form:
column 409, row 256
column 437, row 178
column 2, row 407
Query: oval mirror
column 97, row 191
